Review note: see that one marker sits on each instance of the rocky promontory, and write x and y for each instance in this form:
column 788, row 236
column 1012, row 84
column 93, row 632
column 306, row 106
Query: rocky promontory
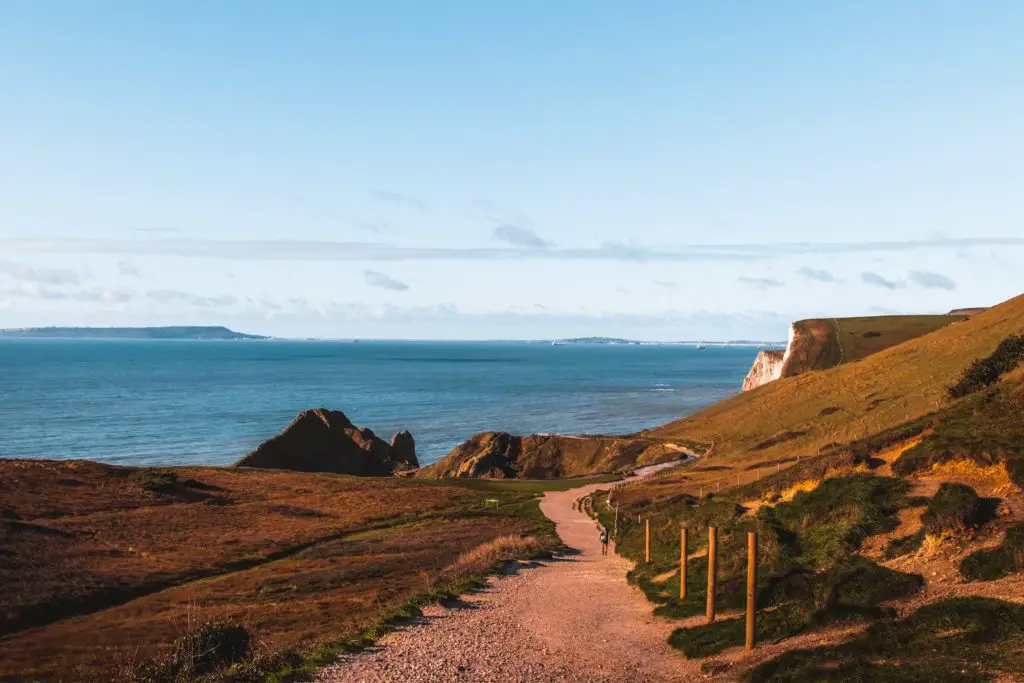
column 323, row 440
column 500, row 455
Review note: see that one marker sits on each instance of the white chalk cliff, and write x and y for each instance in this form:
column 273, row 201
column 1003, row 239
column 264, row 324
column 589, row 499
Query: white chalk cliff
column 769, row 364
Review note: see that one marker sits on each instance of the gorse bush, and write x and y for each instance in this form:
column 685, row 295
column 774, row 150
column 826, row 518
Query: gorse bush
column 959, row 640
column 955, row 508
column 984, row 372
column 209, row 648
column 986, row 429
column 1006, row 559
column 833, row 520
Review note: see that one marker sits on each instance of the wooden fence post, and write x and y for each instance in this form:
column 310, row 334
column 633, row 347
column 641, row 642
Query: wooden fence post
column 682, row 562
column 647, row 541
column 751, row 589
column 712, row 571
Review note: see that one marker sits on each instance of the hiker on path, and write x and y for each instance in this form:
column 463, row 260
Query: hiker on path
column 604, row 540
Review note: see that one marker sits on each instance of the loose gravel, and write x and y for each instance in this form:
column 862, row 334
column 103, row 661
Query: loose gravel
column 573, row 618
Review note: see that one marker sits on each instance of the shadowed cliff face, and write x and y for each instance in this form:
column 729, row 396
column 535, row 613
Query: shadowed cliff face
column 499, row 455
column 324, row 440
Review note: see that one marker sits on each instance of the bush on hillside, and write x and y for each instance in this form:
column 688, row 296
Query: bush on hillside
column 209, row 648
column 985, row 429
column 834, row 519
column 954, row 508
column 1006, row 559
column 958, row 640
column 985, row 372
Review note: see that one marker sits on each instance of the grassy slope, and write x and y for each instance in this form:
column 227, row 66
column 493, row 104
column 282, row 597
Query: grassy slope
column 762, row 431
column 767, row 427
column 823, row 343
column 858, row 335
column 103, row 563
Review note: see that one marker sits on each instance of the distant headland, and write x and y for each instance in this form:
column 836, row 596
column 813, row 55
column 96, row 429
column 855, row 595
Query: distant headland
column 176, row 332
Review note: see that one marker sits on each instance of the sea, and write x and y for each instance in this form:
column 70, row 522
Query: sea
column 135, row 402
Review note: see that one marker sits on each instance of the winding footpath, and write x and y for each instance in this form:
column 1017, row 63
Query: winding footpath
column 573, row 618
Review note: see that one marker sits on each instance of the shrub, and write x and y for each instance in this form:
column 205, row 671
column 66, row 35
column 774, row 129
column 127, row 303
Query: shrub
column 834, row 519
column 206, row 649
column 871, row 333
column 1008, row 558
column 985, row 429
column 158, row 481
column 904, row 546
column 958, row 640
column 955, row 507
column 985, row 372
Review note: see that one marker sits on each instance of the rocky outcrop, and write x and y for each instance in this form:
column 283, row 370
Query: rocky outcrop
column 403, row 449
column 324, row 440
column 500, row 455
column 767, row 368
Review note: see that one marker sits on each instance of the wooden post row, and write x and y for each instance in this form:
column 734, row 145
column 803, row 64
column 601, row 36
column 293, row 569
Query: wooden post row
column 682, row 562
column 751, row 589
column 647, row 541
column 712, row 571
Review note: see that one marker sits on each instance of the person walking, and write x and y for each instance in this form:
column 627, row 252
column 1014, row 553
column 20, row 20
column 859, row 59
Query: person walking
column 604, row 540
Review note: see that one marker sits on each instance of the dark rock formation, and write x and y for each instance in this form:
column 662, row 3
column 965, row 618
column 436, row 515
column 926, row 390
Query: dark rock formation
column 403, row 450
column 499, row 455
column 324, row 440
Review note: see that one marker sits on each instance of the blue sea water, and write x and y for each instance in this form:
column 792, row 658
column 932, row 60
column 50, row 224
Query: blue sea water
column 178, row 402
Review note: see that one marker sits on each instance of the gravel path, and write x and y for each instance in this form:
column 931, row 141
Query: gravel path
column 573, row 618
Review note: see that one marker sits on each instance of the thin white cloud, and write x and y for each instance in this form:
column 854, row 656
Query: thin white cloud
column 175, row 296
column 383, row 281
column 930, row 280
column 816, row 274
column 20, row 272
column 400, row 199
column 519, row 236
column 39, row 292
column 876, row 280
column 760, row 282
column 311, row 250
column 128, row 269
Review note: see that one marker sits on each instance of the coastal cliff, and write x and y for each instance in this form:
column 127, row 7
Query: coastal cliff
column 324, row 440
column 823, row 343
column 767, row 368
column 500, row 455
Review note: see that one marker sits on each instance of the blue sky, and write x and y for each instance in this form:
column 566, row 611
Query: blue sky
column 656, row 170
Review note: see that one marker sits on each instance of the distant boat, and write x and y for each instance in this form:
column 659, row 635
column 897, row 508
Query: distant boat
column 701, row 346
column 558, row 343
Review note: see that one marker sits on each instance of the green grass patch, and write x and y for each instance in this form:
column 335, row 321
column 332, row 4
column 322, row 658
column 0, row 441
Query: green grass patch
column 1008, row 558
column 952, row 641
column 848, row 591
column 986, row 429
column 832, row 520
column 711, row 639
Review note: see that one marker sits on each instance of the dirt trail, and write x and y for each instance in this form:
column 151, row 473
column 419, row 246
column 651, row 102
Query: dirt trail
column 573, row 618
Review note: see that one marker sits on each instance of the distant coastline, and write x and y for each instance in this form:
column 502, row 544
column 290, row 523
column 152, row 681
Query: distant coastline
column 173, row 333
column 219, row 333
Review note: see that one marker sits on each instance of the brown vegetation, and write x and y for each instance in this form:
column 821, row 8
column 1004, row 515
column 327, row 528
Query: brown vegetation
column 105, row 564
